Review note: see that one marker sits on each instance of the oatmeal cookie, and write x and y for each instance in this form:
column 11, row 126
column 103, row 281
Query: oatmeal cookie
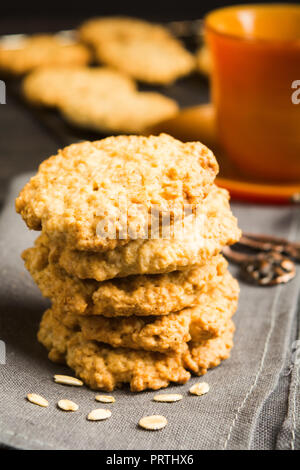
column 21, row 54
column 167, row 333
column 147, row 52
column 87, row 183
column 50, row 86
column 117, row 111
column 100, row 99
column 191, row 248
column 208, row 319
column 103, row 367
column 106, row 368
column 157, row 294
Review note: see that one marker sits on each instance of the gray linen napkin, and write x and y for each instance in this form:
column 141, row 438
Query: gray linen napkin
column 254, row 398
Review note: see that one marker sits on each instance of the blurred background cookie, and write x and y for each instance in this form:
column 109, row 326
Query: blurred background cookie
column 49, row 86
column 147, row 52
column 119, row 111
column 20, row 54
column 99, row 98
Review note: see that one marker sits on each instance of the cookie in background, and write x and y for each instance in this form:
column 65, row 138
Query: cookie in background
column 20, row 54
column 147, row 52
column 101, row 99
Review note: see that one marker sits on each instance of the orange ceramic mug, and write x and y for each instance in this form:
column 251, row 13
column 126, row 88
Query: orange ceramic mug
column 255, row 87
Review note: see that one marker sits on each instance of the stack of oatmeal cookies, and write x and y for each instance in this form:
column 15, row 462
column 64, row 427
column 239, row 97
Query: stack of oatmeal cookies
column 134, row 299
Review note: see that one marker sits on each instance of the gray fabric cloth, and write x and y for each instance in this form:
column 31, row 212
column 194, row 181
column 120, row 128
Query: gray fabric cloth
column 254, row 398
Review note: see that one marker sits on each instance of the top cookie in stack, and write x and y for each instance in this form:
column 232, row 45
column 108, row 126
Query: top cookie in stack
column 85, row 182
column 132, row 302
